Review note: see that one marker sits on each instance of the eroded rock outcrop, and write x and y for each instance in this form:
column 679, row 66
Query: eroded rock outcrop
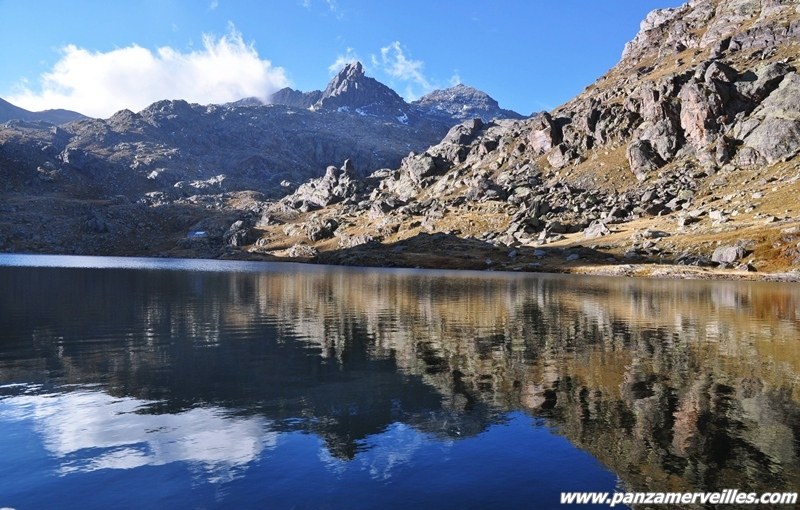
column 337, row 185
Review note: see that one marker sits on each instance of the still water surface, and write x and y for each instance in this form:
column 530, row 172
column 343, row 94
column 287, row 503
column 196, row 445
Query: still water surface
column 142, row 383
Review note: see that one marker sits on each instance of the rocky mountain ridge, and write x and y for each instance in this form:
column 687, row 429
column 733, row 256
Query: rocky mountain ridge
column 351, row 90
column 9, row 112
column 171, row 148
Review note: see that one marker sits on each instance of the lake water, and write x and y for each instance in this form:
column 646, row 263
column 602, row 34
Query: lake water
column 147, row 383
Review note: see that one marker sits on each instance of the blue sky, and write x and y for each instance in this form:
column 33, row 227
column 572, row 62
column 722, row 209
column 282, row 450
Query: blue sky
column 98, row 56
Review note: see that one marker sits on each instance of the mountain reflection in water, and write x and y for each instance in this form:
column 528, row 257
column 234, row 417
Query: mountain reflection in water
column 673, row 386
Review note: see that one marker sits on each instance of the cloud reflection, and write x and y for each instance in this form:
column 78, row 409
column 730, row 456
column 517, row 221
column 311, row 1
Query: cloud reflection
column 91, row 430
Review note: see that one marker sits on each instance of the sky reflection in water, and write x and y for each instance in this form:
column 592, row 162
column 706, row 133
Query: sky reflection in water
column 130, row 385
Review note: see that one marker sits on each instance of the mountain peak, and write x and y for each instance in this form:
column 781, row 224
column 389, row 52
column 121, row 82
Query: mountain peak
column 464, row 102
column 351, row 89
column 352, row 70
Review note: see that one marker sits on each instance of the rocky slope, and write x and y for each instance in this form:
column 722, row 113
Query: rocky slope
column 683, row 155
column 9, row 111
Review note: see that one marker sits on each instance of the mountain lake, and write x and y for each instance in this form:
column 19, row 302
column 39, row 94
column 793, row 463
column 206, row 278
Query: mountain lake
column 156, row 383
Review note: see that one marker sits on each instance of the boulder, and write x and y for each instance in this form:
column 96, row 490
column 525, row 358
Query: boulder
column 719, row 72
column 663, row 137
column 239, row 234
column 544, row 134
column 642, row 158
column 759, row 84
column 302, row 251
column 555, row 227
column 348, row 241
column 596, row 229
column 317, row 230
column 419, row 167
column 464, row 133
column 561, row 155
column 728, row 254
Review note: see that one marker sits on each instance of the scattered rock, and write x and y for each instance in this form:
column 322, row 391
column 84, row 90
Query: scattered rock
column 317, row 230
column 302, row 251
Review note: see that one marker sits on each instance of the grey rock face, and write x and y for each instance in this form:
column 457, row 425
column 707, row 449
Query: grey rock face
column 774, row 129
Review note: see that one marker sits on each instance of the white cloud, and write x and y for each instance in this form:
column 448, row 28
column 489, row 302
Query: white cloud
column 394, row 62
column 99, row 84
column 348, row 57
column 213, row 5
column 455, row 79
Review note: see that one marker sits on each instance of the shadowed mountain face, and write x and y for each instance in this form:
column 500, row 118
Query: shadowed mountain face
column 176, row 148
column 9, row 111
column 180, row 149
column 694, row 384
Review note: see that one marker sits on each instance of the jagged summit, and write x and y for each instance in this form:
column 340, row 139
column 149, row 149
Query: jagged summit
column 352, row 90
column 463, row 102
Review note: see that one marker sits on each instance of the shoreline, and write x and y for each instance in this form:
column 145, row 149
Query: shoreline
column 652, row 271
